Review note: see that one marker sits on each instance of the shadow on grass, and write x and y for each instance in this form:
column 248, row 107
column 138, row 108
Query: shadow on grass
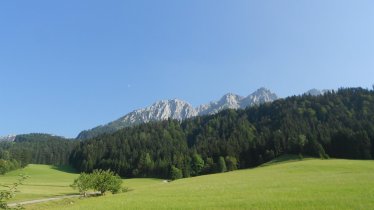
column 66, row 169
column 45, row 185
column 284, row 159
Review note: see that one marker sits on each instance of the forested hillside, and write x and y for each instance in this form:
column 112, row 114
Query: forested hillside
column 336, row 124
column 38, row 148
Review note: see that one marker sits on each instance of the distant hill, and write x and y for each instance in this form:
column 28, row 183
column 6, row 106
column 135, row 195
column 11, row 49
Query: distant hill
column 180, row 110
column 8, row 138
column 39, row 148
column 38, row 137
column 31, row 137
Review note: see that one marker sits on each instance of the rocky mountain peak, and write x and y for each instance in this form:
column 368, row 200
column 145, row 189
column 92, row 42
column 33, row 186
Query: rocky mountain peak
column 180, row 110
column 231, row 97
column 261, row 95
column 228, row 101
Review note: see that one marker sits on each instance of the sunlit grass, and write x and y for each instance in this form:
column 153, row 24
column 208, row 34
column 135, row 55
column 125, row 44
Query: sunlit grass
column 44, row 181
column 293, row 184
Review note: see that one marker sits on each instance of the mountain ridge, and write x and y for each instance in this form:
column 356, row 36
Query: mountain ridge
column 227, row 101
column 179, row 109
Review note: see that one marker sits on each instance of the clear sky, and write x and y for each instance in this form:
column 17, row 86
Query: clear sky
column 71, row 65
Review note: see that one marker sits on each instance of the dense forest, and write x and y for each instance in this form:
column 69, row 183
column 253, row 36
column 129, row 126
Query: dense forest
column 337, row 124
column 37, row 148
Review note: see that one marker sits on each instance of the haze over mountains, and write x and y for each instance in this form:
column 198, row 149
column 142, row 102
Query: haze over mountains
column 180, row 110
column 315, row 92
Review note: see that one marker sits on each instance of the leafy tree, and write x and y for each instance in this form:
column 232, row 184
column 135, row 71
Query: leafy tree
column 5, row 155
column 104, row 181
column 100, row 180
column 197, row 164
column 297, row 143
column 221, row 165
column 8, row 165
column 83, row 183
column 209, row 166
column 231, row 163
column 175, row 173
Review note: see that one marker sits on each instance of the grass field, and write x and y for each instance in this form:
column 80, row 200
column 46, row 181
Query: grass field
column 44, row 181
column 307, row 184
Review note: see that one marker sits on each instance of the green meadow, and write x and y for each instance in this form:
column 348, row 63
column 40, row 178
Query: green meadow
column 281, row 184
column 44, row 181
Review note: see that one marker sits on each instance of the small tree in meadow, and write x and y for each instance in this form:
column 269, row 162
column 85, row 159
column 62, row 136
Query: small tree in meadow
column 104, row 181
column 100, row 180
column 83, row 183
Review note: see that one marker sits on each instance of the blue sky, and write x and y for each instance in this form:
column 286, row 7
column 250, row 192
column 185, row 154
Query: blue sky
column 70, row 65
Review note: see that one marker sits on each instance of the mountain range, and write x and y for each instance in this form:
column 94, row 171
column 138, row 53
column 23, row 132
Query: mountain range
column 180, row 110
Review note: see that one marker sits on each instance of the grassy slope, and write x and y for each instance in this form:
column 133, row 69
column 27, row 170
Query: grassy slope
column 308, row 184
column 44, row 181
column 48, row 181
